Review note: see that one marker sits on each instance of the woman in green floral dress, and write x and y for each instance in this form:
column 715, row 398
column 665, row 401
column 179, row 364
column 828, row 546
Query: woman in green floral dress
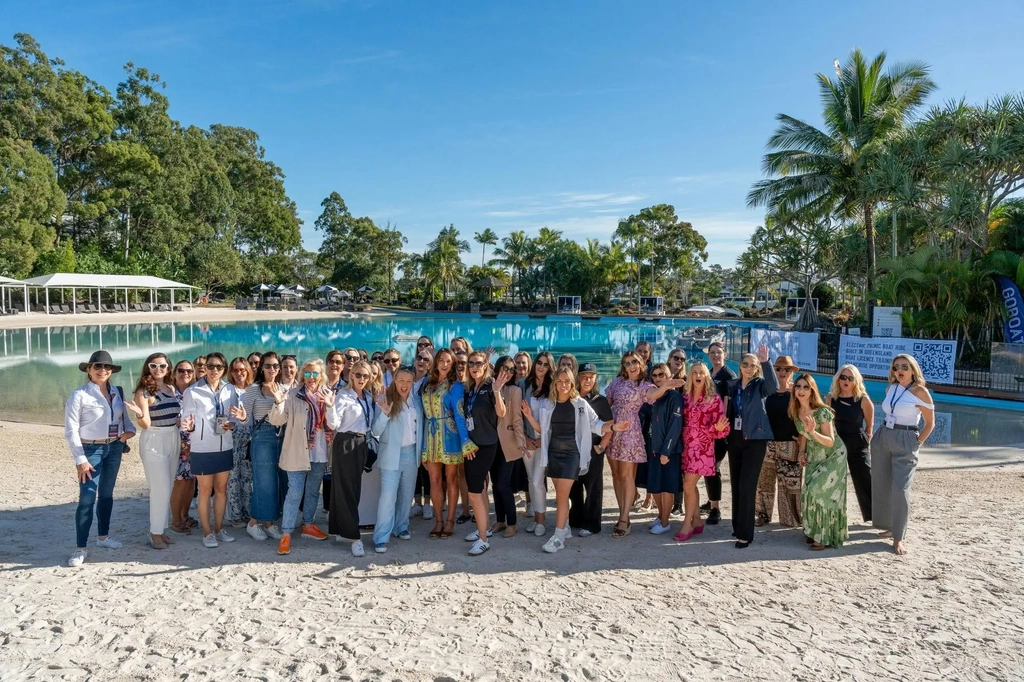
column 823, row 455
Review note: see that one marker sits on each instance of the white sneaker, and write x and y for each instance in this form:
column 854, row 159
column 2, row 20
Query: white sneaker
column 658, row 529
column 417, row 510
column 273, row 531
column 210, row 541
column 109, row 543
column 428, row 512
column 652, row 524
column 475, row 535
column 357, row 548
column 404, row 535
column 529, row 510
column 78, row 558
column 583, row 533
column 256, row 532
column 479, row 547
column 531, row 526
column 539, row 530
column 556, row 542
column 224, row 536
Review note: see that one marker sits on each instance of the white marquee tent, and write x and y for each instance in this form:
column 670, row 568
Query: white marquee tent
column 6, row 284
column 114, row 283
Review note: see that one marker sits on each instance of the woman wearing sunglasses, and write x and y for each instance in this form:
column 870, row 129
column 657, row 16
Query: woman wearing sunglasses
column 722, row 376
column 780, row 469
column 390, row 362
column 421, row 499
column 268, row 481
column 240, row 375
column 665, row 464
column 536, row 388
column 855, row 420
column 159, row 405
column 823, row 455
column 511, row 448
column 96, row 426
column 704, row 423
column 399, row 429
column 749, row 437
column 895, row 446
column 184, row 489
column 211, row 412
column 586, row 499
column 626, row 394
column 356, row 412
column 308, row 417
column 445, row 438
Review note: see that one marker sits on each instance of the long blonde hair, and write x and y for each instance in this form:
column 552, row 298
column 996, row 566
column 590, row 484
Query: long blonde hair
column 392, row 395
column 376, row 384
column 858, row 383
column 469, row 382
column 708, row 391
column 814, row 402
column 916, row 375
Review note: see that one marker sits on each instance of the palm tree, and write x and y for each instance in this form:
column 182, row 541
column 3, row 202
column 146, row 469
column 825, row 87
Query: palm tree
column 486, row 238
column 443, row 266
column 517, row 253
column 824, row 169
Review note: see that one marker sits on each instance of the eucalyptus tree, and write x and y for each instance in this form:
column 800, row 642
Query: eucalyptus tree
column 823, row 169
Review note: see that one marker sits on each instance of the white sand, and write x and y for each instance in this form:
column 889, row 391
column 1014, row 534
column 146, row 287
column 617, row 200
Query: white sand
column 642, row 608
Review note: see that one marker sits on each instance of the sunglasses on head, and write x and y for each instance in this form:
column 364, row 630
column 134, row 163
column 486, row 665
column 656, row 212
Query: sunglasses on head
column 311, row 375
column 158, row 365
column 845, row 377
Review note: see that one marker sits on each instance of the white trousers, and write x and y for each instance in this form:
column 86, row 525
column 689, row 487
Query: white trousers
column 159, row 448
column 538, row 482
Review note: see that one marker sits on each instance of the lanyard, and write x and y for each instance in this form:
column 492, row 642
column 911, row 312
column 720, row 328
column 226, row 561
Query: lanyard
column 338, row 385
column 113, row 395
column 896, row 398
column 218, row 406
column 471, row 399
column 739, row 399
column 365, row 404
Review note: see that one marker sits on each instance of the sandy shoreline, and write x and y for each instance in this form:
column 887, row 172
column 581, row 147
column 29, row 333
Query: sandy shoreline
column 642, row 608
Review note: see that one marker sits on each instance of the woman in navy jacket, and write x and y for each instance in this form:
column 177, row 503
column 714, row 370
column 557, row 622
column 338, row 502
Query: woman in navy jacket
column 664, row 462
column 749, row 438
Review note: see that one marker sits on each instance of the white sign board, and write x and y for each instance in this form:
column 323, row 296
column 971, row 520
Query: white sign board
column 801, row 346
column 873, row 357
column 887, row 321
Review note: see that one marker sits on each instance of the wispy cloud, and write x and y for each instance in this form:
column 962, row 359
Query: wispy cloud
column 560, row 203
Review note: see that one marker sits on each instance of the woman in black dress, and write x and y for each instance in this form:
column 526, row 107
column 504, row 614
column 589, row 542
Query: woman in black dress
column 855, row 420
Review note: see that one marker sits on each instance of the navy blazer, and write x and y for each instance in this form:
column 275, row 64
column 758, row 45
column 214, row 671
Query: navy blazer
column 667, row 424
column 755, row 418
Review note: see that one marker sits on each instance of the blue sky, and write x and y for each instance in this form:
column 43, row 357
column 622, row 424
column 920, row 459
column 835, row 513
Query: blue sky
column 517, row 115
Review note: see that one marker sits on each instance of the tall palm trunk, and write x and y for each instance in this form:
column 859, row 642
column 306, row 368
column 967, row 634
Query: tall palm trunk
column 869, row 237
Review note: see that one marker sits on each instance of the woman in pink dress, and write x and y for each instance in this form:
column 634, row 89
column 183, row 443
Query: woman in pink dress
column 704, row 421
column 627, row 393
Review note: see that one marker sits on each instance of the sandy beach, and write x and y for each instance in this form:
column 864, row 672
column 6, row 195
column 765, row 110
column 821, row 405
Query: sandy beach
column 641, row 608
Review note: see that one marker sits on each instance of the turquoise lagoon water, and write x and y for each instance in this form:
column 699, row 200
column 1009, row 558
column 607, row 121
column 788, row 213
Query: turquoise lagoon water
column 39, row 366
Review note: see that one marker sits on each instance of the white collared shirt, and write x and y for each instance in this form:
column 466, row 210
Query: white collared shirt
column 355, row 413
column 88, row 416
column 410, row 415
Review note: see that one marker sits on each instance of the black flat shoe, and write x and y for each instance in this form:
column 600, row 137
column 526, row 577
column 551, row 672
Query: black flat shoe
column 742, row 545
column 462, row 519
column 714, row 516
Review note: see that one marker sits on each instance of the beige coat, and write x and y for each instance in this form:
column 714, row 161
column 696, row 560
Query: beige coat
column 510, row 427
column 292, row 413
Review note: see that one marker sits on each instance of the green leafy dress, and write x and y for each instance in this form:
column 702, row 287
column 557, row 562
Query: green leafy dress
column 824, row 493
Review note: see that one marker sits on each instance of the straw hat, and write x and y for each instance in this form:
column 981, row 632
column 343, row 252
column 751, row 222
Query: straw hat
column 784, row 361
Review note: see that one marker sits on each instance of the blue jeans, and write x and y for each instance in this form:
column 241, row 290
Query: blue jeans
column 396, row 489
column 99, row 492
column 303, row 486
column 267, row 480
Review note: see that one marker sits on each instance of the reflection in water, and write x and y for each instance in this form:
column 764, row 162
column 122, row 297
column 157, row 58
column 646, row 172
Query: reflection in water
column 39, row 367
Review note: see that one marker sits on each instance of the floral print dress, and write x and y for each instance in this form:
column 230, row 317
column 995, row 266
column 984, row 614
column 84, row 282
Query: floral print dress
column 627, row 397
column 699, row 433
column 824, row 494
column 445, row 437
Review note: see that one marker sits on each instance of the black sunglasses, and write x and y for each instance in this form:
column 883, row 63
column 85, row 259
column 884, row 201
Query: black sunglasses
column 100, row 365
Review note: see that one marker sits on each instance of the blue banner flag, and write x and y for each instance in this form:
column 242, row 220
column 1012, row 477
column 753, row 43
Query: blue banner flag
column 1014, row 326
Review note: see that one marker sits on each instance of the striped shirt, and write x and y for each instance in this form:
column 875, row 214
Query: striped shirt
column 165, row 408
column 257, row 405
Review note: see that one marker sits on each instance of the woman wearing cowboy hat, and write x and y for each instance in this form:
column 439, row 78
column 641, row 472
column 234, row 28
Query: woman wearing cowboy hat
column 781, row 466
column 96, row 428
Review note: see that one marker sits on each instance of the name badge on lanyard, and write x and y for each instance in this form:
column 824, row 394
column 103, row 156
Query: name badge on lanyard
column 738, row 421
column 114, row 427
column 469, row 412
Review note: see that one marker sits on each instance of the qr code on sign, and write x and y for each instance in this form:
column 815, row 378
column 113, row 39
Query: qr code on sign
column 936, row 360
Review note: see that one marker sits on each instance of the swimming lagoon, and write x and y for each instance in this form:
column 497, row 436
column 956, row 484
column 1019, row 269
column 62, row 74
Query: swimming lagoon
column 39, row 366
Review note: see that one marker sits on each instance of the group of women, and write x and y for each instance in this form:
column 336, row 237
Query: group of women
column 266, row 439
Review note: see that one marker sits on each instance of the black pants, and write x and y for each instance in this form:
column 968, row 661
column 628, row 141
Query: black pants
column 714, row 483
column 858, row 458
column 501, row 486
column 586, row 498
column 422, row 484
column 476, row 469
column 745, row 459
column 348, row 457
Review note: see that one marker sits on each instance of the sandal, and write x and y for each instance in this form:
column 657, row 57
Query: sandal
column 816, row 547
column 760, row 520
column 436, row 532
column 445, row 533
column 619, row 532
column 180, row 529
column 190, row 522
column 462, row 519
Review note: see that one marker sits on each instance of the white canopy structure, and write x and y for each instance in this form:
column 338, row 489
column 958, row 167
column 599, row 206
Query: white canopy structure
column 6, row 283
column 75, row 281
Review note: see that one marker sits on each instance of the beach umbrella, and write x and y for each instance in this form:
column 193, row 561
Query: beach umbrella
column 261, row 287
column 365, row 289
column 326, row 288
column 344, row 294
column 299, row 287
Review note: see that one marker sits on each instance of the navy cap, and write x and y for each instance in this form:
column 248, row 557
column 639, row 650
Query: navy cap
column 588, row 367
